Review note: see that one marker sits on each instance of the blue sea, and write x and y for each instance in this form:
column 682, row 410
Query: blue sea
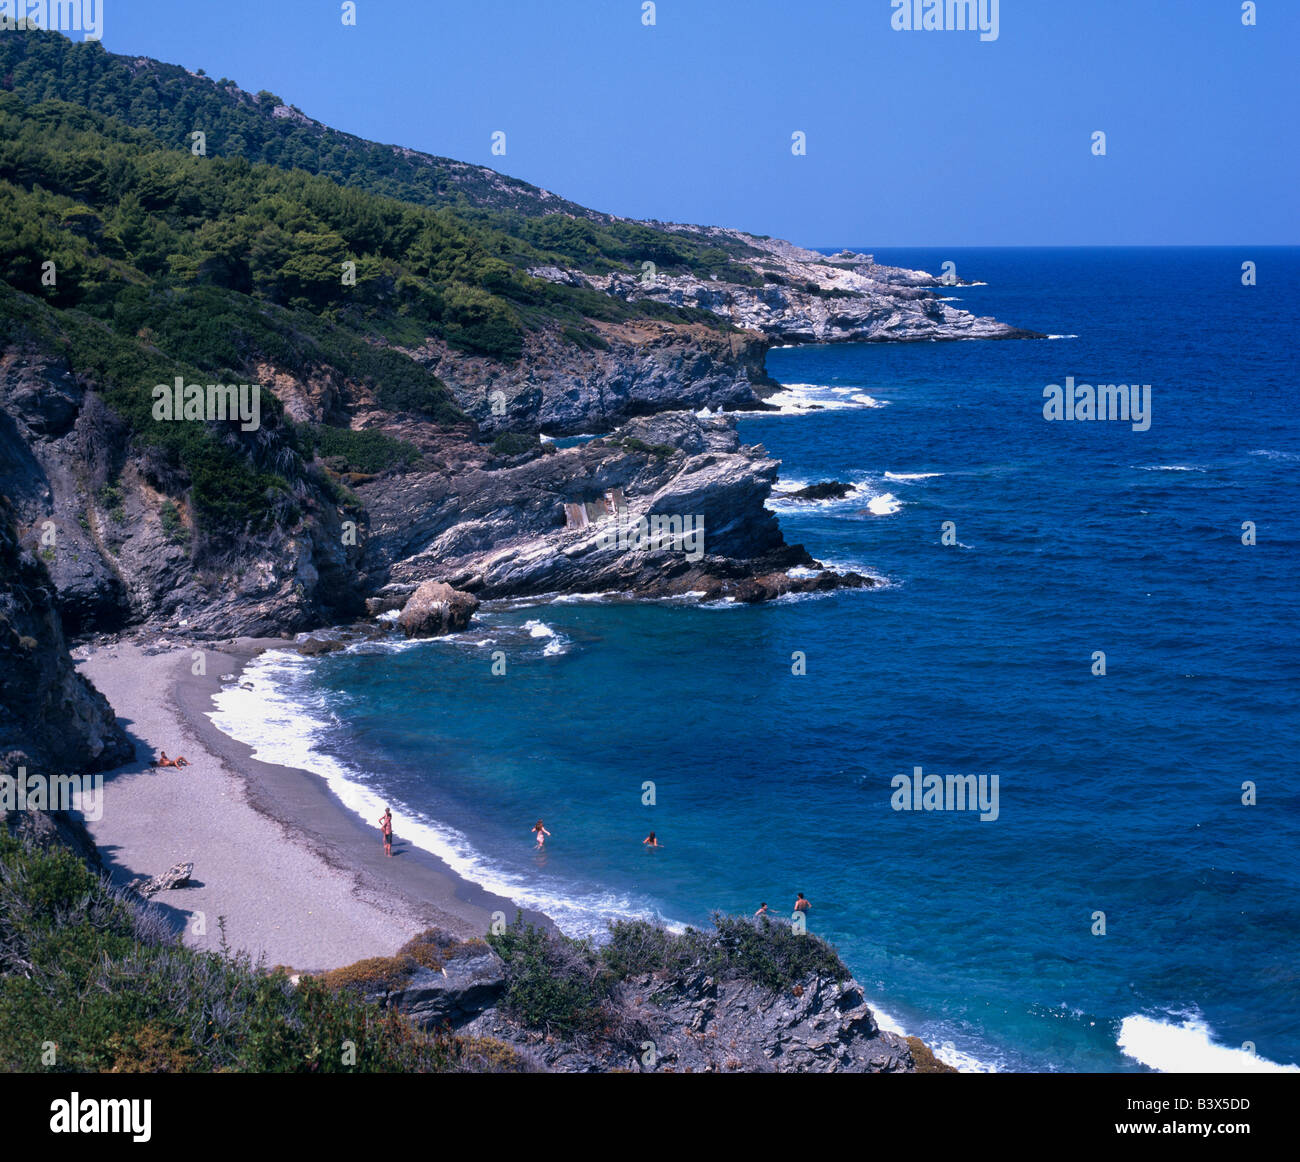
column 1120, row 795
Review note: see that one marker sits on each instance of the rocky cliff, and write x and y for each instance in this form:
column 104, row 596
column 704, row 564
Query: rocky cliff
column 590, row 380
column 52, row 721
column 570, row 521
column 749, row 998
column 51, row 718
column 124, row 550
column 111, row 522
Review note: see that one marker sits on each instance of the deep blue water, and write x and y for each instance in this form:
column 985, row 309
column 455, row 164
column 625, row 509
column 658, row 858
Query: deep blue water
column 1118, row 793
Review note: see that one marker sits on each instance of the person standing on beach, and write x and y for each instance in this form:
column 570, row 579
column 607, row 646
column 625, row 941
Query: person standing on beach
column 386, row 830
column 542, row 833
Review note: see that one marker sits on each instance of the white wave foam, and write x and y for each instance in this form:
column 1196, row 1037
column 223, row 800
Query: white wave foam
column 1062, row 336
column 1187, row 1047
column 911, row 475
column 783, row 500
column 946, row 1052
column 1274, row 454
column 574, row 598
column 400, row 645
column 1168, row 467
column 801, row 399
column 884, row 505
column 556, row 643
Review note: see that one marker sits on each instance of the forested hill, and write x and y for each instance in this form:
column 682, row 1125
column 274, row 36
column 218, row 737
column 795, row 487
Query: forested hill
column 173, row 103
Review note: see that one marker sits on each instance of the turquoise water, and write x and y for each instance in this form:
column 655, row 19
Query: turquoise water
column 1118, row 794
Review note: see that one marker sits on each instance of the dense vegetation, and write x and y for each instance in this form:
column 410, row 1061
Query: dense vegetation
column 172, row 104
column 286, row 244
column 368, row 452
column 567, row 987
column 102, row 980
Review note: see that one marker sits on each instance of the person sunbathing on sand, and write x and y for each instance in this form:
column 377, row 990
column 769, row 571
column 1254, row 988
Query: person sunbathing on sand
column 179, row 761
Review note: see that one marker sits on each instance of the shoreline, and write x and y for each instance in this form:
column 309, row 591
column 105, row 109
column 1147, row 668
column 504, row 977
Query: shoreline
column 298, row 878
column 340, row 900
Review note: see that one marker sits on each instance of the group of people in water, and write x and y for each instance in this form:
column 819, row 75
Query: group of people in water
column 801, row 903
column 539, row 829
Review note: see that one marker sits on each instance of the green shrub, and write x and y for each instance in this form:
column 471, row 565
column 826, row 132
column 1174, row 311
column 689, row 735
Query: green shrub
column 553, row 983
column 173, row 527
column 516, row 444
column 370, row 451
column 632, row 444
column 587, row 340
column 110, row 498
column 765, row 953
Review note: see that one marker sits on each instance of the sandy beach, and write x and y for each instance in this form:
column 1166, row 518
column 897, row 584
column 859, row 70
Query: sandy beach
column 298, row 878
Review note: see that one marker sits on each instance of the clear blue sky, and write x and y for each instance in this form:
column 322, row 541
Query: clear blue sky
column 914, row 138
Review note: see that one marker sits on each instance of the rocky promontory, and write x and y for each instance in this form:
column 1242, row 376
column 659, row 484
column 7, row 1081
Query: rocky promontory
column 750, row 996
column 664, row 506
column 797, row 295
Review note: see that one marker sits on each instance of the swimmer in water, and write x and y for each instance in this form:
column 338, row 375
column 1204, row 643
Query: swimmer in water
column 651, row 841
column 801, row 904
column 762, row 910
column 542, row 833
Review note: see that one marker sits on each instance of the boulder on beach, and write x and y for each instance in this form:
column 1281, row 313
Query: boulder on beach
column 177, row 876
column 435, row 609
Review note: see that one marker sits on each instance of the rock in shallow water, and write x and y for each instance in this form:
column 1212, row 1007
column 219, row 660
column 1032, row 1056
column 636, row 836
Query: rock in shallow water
column 435, row 609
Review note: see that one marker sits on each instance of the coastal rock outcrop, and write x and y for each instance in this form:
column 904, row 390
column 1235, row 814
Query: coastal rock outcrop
column 699, row 1024
column 825, row 490
column 666, row 505
column 435, row 979
column 454, row 994
column 436, row 609
column 801, row 296
column 726, row 1018
column 588, row 381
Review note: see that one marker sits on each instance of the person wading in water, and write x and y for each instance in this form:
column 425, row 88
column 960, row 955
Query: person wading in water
column 542, row 833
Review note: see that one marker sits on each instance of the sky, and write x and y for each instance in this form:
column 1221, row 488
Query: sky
column 913, row 138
